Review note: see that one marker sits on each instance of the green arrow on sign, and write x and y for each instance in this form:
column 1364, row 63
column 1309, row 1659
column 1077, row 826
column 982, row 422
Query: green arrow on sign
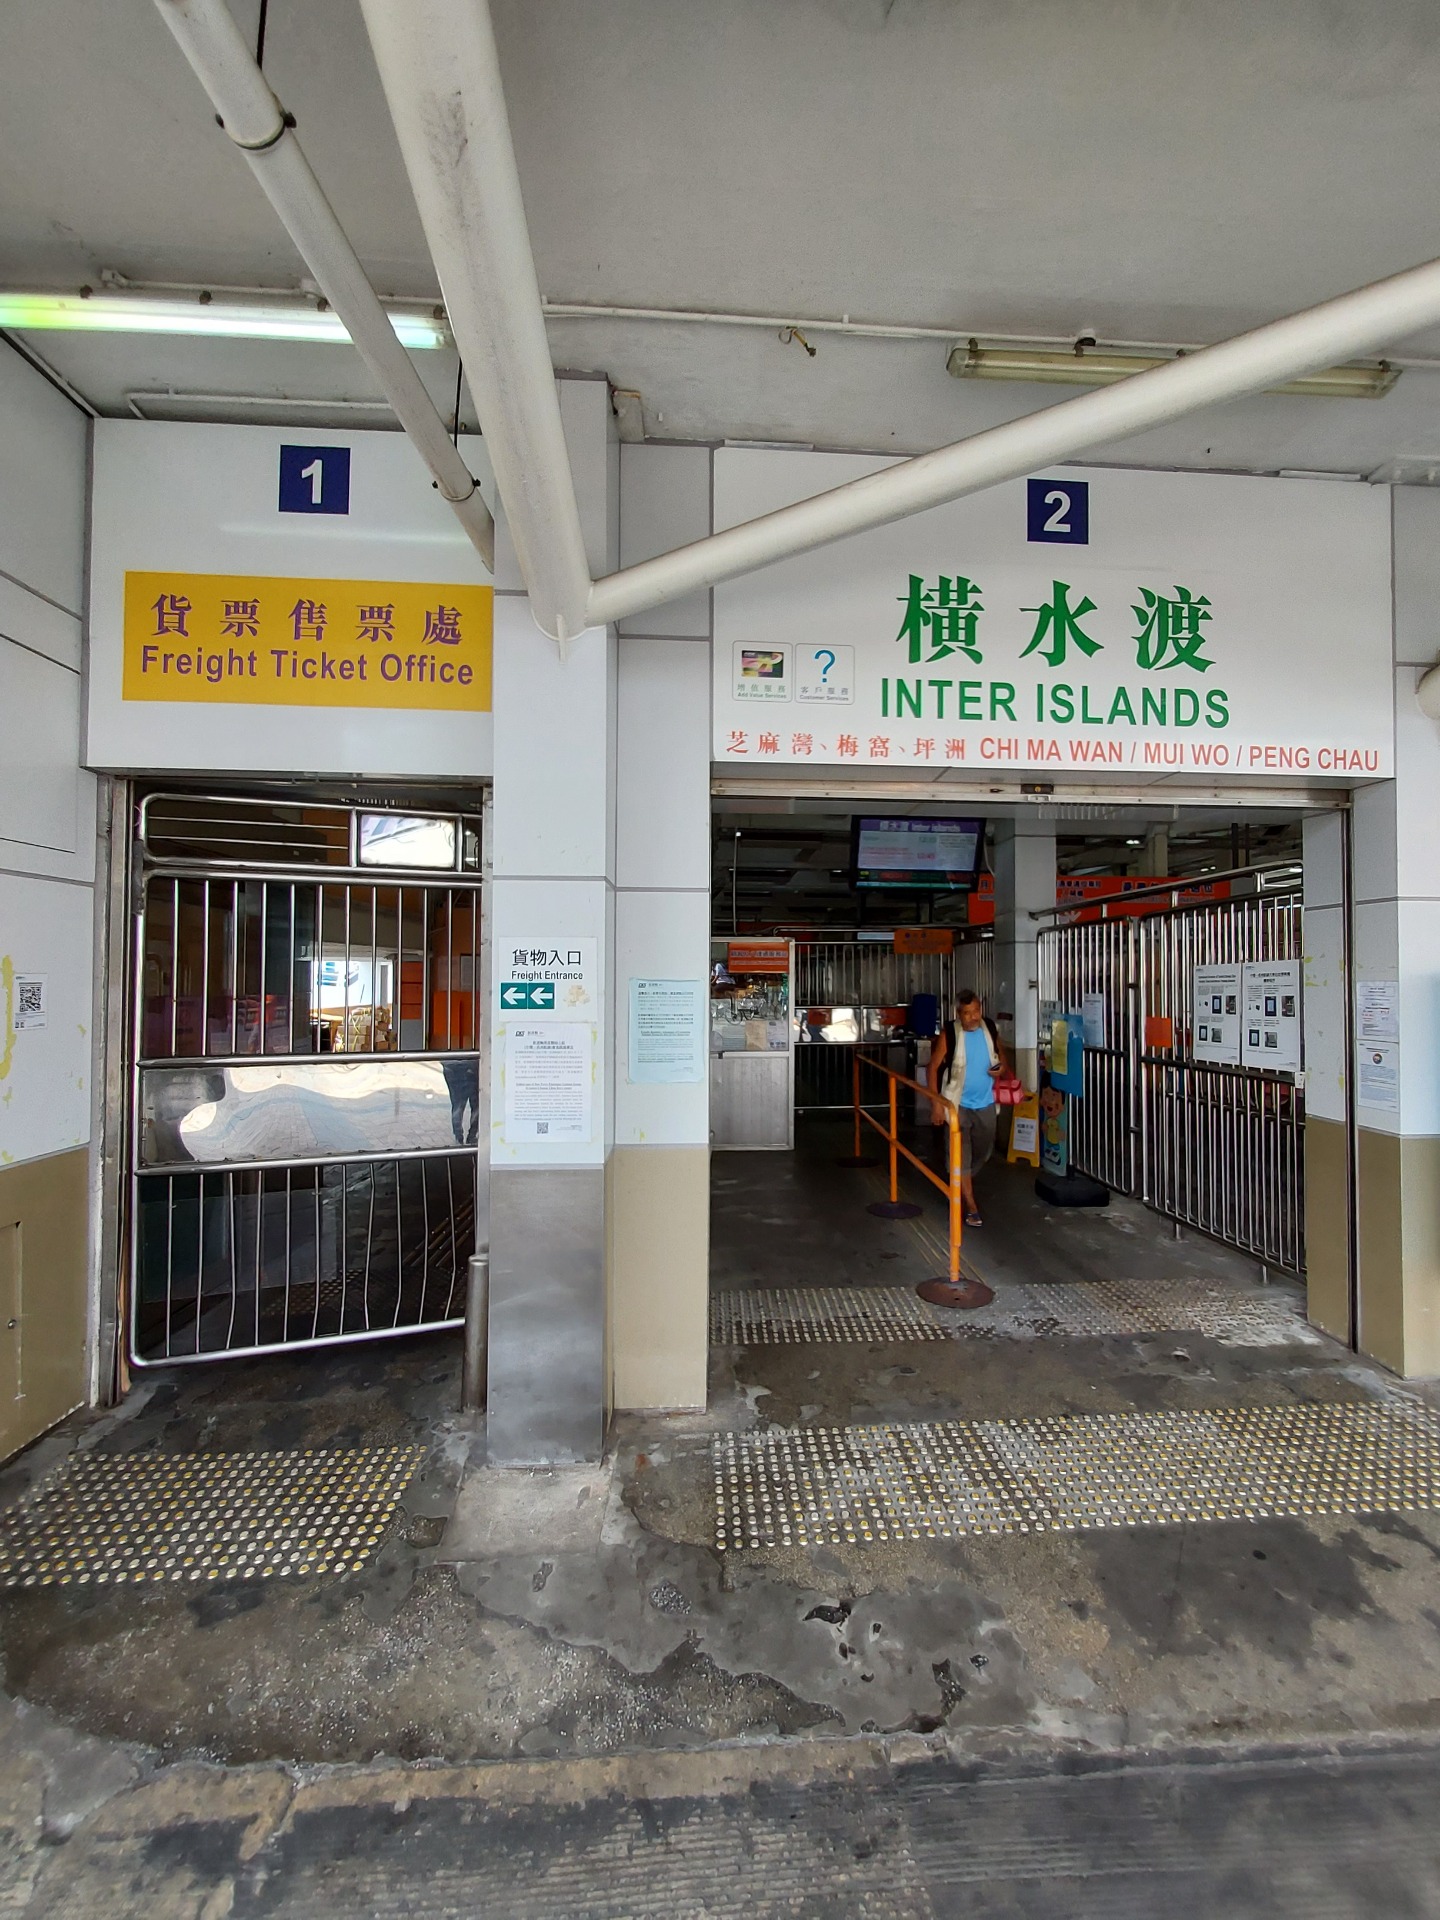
column 528, row 993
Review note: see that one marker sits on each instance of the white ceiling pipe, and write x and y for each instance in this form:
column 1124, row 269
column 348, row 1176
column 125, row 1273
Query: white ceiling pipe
column 1355, row 323
column 441, row 73
column 259, row 126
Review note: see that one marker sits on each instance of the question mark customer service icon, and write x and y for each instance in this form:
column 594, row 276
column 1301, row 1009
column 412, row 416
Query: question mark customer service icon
column 824, row 654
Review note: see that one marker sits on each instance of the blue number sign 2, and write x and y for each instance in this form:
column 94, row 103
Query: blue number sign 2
column 1058, row 511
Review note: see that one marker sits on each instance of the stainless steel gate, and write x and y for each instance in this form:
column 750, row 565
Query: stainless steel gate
column 1219, row 1148
column 853, row 979
column 306, row 1086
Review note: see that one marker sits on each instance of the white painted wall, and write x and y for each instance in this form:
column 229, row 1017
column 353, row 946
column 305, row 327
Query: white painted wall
column 662, row 781
column 551, row 855
column 665, row 496
column 47, row 803
column 662, row 864
column 1325, row 982
column 1397, row 906
column 1416, row 532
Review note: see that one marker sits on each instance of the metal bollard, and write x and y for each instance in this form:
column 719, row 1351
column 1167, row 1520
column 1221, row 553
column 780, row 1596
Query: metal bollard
column 475, row 1376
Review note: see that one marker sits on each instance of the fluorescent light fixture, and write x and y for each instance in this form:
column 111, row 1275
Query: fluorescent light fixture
column 1095, row 367
column 416, row 327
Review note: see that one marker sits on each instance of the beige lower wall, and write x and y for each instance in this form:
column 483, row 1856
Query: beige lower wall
column 658, row 1210
column 1327, row 1227
column 44, row 1208
column 1399, row 1236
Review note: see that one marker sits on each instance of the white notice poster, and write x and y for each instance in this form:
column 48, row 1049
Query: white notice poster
column 1215, row 1030
column 30, row 1002
column 1092, row 1013
column 1377, row 1010
column 1270, row 1029
column 667, row 1032
column 549, row 1076
column 1379, row 1075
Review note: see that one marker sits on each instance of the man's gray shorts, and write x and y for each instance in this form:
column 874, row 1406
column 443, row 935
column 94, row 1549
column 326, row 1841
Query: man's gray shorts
column 977, row 1137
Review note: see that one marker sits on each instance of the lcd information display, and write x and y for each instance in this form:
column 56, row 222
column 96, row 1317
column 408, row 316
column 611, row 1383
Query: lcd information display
column 917, row 855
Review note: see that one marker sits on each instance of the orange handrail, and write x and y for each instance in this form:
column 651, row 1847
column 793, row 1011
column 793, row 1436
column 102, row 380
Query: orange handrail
column 954, row 1159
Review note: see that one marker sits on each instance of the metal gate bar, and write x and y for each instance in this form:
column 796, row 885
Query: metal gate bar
column 305, row 1084
column 864, row 973
column 239, row 1262
column 1218, row 1148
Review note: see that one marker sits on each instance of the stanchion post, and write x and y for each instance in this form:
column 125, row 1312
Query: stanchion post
column 957, row 1205
column 475, row 1372
column 894, row 1136
column 855, row 1089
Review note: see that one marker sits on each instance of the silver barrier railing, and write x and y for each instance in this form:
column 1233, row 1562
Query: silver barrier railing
column 1218, row 1148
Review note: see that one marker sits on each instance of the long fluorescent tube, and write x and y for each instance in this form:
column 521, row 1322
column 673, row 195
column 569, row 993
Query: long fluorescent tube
column 1093, row 367
column 215, row 319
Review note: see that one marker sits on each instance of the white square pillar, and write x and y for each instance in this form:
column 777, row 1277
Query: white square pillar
column 1024, row 884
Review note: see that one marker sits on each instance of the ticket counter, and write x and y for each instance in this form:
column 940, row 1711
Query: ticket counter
column 752, row 1044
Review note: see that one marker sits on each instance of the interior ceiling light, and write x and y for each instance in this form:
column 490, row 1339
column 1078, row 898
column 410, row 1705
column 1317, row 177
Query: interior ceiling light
column 1086, row 366
column 415, row 327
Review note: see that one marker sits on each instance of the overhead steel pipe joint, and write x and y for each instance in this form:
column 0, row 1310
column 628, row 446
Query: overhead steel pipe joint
column 1354, row 323
column 228, row 71
column 441, row 74
column 254, row 119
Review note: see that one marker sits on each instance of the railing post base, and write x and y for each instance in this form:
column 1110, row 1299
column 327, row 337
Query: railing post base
column 475, row 1371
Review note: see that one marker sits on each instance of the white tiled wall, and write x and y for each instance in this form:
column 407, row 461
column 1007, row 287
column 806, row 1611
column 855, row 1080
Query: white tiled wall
column 47, row 803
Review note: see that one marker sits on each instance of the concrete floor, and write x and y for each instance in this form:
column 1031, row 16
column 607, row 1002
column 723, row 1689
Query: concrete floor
column 575, row 1617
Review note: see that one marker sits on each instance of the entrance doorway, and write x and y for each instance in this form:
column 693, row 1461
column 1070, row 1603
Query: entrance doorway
column 306, row 1074
column 874, row 972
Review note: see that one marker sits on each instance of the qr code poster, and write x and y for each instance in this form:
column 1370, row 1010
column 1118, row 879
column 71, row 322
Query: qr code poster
column 30, row 998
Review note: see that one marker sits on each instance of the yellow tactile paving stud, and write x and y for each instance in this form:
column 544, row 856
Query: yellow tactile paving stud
column 795, row 1316
column 123, row 1519
column 826, row 1486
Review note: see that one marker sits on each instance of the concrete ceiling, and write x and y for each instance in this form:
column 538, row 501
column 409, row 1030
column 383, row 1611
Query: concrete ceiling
column 1141, row 169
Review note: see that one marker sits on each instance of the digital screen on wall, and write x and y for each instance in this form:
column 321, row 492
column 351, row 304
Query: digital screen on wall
column 913, row 855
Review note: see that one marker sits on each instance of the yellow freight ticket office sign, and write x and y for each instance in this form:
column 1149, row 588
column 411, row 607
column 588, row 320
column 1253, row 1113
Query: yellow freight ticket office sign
column 257, row 640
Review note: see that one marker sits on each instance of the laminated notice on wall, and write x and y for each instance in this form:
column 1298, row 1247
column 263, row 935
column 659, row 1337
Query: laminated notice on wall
column 667, row 1032
column 1092, row 1014
column 30, row 1013
column 1377, row 1010
column 1215, row 1028
column 549, row 1076
column 1270, row 1029
column 1379, row 1076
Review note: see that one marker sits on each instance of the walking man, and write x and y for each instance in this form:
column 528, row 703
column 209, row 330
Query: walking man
column 965, row 1063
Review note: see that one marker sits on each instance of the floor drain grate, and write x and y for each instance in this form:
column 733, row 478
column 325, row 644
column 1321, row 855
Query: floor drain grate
column 834, row 1486
column 1024, row 1310
column 117, row 1519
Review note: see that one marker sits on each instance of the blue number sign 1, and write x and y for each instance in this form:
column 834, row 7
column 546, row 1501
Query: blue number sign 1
column 1058, row 511
column 314, row 479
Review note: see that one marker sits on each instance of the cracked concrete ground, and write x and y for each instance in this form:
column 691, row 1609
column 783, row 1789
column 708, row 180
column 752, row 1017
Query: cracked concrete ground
column 898, row 1829
column 571, row 1615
